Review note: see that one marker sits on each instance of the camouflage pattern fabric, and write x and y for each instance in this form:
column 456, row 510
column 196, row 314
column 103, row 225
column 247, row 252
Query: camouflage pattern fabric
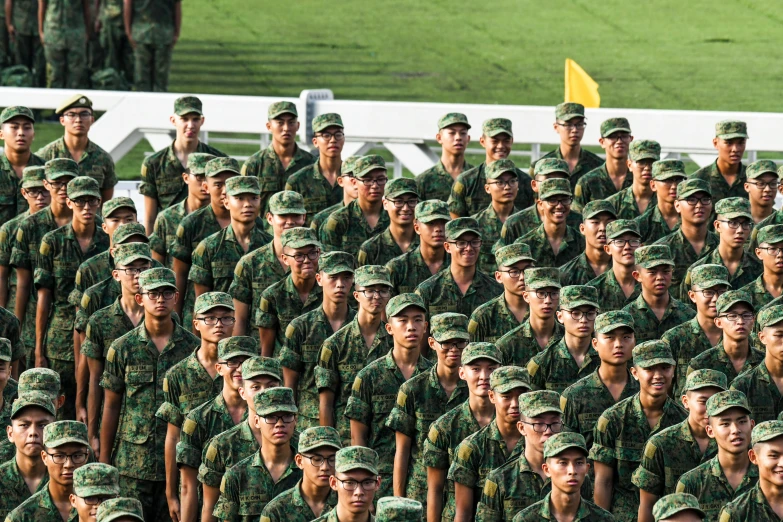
column 441, row 293
column 716, row 359
column 492, row 320
column 578, row 271
column 572, row 245
column 186, row 386
column 610, row 294
column 718, row 186
column 758, row 293
column 7, row 448
column 709, row 485
column 541, row 511
column 647, row 327
column 201, row 424
column 596, row 184
column 555, row 368
column 347, row 228
column 320, row 218
column 652, row 225
column 103, row 328
column 764, row 398
column 490, row 227
column 519, row 345
column 626, row 206
column 751, row 505
column 587, row 162
column 409, row 270
column 95, row 162
column 7, row 238
column 686, row 342
column 381, row 249
column 749, row 270
column 519, row 224
column 436, row 182
column 15, row 490
column 224, row 451
column 684, row 255
column 317, row 192
column 290, row 506
column 280, row 304
column 164, row 231
column 40, row 507
column 64, row 36
column 12, row 203
column 153, row 21
column 468, row 196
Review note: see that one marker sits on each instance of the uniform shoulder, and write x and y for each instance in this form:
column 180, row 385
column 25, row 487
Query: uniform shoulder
column 508, row 468
column 28, row 507
column 209, row 149
column 371, row 368
column 595, row 173
column 574, row 391
column 280, row 504
column 432, row 281
column 301, row 175
column 468, row 175
column 47, row 151
column 486, row 307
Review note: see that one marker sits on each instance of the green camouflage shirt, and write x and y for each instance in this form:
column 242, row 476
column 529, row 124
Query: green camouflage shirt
column 468, row 196
column 409, row 270
column 95, row 162
column 95, row 298
column 15, row 490
column 751, row 505
column 382, row 248
column 7, row 239
column 223, row 451
column 304, row 337
column 776, row 218
column 135, row 369
column 11, row 330
column 684, row 255
column 610, row 294
column 519, row 224
column 716, row 359
column 764, row 398
column 12, row 203
column 652, row 225
column 421, row 401
column 290, row 506
column 758, row 292
column 555, row 368
column 103, row 328
column 490, row 227
column 619, row 438
column 647, row 327
column 161, row 173
column 317, row 192
column 709, row 485
column 7, row 448
column 749, row 270
column 625, row 205
column 578, row 271
column 25, row 17
column 90, row 273
column 63, row 22
column 319, row 219
column 200, row 425
column 541, row 511
column 686, row 341
column 186, row 386
column 280, row 304
column 596, row 184
column 492, row 320
column 164, row 233
column 347, row 228
column 718, row 186
column 441, row 293
column 436, row 183
column 518, row 346
column 254, row 273
column 40, row 507
column 153, row 21
column 331, row 516
column 587, row 162
column 572, row 245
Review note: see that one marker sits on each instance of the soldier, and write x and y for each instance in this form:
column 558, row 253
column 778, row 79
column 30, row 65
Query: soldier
column 554, row 204
column 680, row 507
column 502, row 185
column 350, row 192
column 296, row 294
column 347, row 228
column 423, row 399
column 733, row 225
column 318, row 182
column 305, row 335
column 8, row 391
column 164, row 176
column 356, row 479
column 615, row 174
column 468, row 195
column 444, row 292
column 63, row 29
column 762, row 186
column 758, row 502
column 133, row 392
column 498, row 442
column 678, row 448
column 76, row 117
column 428, row 257
column 60, row 254
column 24, row 473
column 662, row 219
column 726, row 176
column 254, row 481
column 634, row 201
column 730, row 473
column 235, row 444
column 570, row 126
column 617, row 287
column 540, row 330
column 491, row 320
column 110, row 26
column 595, row 260
column 734, row 353
column 478, row 362
column 27, row 48
column 584, row 401
column 120, row 509
column 769, row 285
column 265, row 266
column 399, row 237
column 376, row 385
column 65, row 449
column 212, row 417
column 41, row 380
column 655, row 311
column 353, row 347
column 453, row 137
column 776, row 218
column 399, row 509
column 93, row 483
column 17, row 130
column 622, row 430
column 152, row 28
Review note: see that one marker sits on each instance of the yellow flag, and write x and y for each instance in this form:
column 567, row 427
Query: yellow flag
column 579, row 86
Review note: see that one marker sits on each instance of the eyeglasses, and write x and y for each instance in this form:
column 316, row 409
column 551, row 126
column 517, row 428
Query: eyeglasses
column 578, row 314
column 157, row 294
column 462, row 245
column 622, row 242
column 734, row 317
column 572, row 126
column 399, row 203
column 287, row 418
column 329, row 135
column 318, row 460
column 710, row 293
column 76, row 458
column 542, row 427
column 133, row 271
column 311, row 255
column 212, row 320
column 513, row 273
column 693, row 201
column 618, row 137
column 234, row 364
column 86, row 202
column 73, row 115
column 35, row 193
column 459, row 345
column 505, row 183
column 762, row 184
column 57, row 185
column 351, row 485
column 734, row 225
column 370, row 182
column 552, row 202
column 543, row 294
column 773, row 251
column 97, row 499
column 368, row 293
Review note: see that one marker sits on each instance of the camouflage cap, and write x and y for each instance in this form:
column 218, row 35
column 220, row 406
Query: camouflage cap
column 336, row 262
column 281, row 107
column 513, row 253
column 356, row 457
column 243, row 185
column 651, row 353
column 432, row 210
column 187, row 105
column 554, row 187
column 670, row 505
column 453, row 118
column 770, row 234
column 707, row 276
column 559, row 442
column 114, row 204
column 39, row 379
column 598, row 206
column 398, row 509
column 398, row 303
column 33, row 177
column 462, row 225
column 319, row 437
column 769, row 316
column 612, row 320
column 535, row 403
column 547, row 277
column 121, row 507
column 349, row 163
column 618, row 227
column 257, row 366
column 726, row 400
column 705, row 378
column 765, row 431
column 157, row 278
column 693, row 186
column 446, row 326
column 668, row 169
column 125, row 254
column 547, row 166
column 731, row 208
column 299, row 237
column 399, row 186
column 237, row 346
column 476, row 351
column 612, row 125
column 16, row 111
column 507, row 378
column 59, row 433
column 369, row 275
column 33, row 398
column 323, row 121
column 497, row 168
column 220, row 165
column 273, row 400
column 209, row 300
column 367, row 164
column 575, row 296
column 494, row 126
column 732, row 297
column 197, row 163
column 761, row 167
column 287, row 202
column 75, row 101
column 96, row 479
column 650, row 256
column 128, row 230
column 5, row 349
column 644, row 149
column 730, row 129
column 83, row 186
column 569, row 110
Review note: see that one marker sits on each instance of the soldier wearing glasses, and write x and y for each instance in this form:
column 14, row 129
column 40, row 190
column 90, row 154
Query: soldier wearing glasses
column 726, row 176
column 399, row 201
column 768, row 287
column 636, row 199
column 355, row 480
column 595, row 260
column 617, row 287
column 93, row 484
column 762, row 187
column 662, row 218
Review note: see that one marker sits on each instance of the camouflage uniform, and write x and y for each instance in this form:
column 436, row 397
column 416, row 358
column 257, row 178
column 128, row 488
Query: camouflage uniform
column 318, row 220
column 519, row 224
column 653, row 226
column 15, row 490
column 765, row 401
column 441, row 293
column 95, row 162
column 758, row 293
column 118, row 53
column 12, row 203
column 626, row 206
column 436, row 182
column 716, row 359
column 597, row 185
column 7, row 448
column 610, row 295
column 711, row 173
column 519, row 346
column 153, row 31
column 64, row 44
column 27, row 49
column 290, row 506
column 541, row 511
column 686, row 342
column 572, row 245
column 647, row 325
column 346, row 229
column 7, row 237
column 364, row 459
column 578, row 271
column 587, row 162
column 120, row 507
column 409, row 270
column 382, row 249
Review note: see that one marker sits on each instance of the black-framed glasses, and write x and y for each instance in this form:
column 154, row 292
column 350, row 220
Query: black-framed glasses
column 318, row 460
column 572, row 126
column 579, row 314
column 287, row 418
column 553, row 202
column 57, row 185
column 157, row 294
column 634, row 243
column 329, row 135
column 133, row 271
column 97, row 500
column 709, row 293
column 375, row 292
column 299, row 258
column 211, row 320
column 87, row 202
column 459, row 345
column 35, row 192
column 619, row 137
column 513, row 182
column 542, row 427
column 76, row 458
column 734, row 225
column 379, row 182
column 764, row 184
column 71, row 115
column 399, row 203
column 543, row 294
column 231, row 365
column 462, row 245
column 773, row 251
column 513, row 273
column 693, row 201
column 734, row 317
column 366, row 484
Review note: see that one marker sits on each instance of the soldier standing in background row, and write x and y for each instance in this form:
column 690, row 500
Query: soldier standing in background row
column 453, row 137
column 26, row 49
column 152, row 28
column 64, row 27
column 110, row 28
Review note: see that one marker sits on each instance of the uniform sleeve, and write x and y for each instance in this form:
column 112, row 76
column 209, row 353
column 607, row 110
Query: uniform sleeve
column 650, row 474
column 581, row 196
column 75, row 297
column 44, row 270
column 490, row 506
column 537, row 374
column 436, row 447
column 110, row 178
column 359, row 407
column 212, row 467
column 92, row 346
column 201, row 266
column 159, row 236
column 570, row 415
column 266, row 315
column 182, row 246
column 291, row 353
column 326, row 374
column 728, row 514
column 331, row 234
column 20, row 255
column 402, row 418
column 251, row 167
column 227, row 507
column 171, row 411
column 148, row 187
column 113, row 377
column 476, row 327
column 241, row 287
column 464, row 467
column 12, row 333
column 457, row 203
column 189, row 447
column 507, row 233
column 6, row 245
column 603, row 449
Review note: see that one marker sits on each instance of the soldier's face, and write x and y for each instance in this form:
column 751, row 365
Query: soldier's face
column 655, row 280
column 616, row 145
column 218, row 331
column 408, row 327
column 376, row 303
column 594, row 229
column 762, row 190
column 336, row 286
column 477, row 374
column 250, row 387
column 350, row 186
column 501, row 189
column 160, row 307
column 119, row 217
column 466, row 256
column 697, row 214
column 772, row 263
column 768, row 456
column 730, row 151
column 772, row 338
column 666, row 189
column 536, row 439
column 216, row 186
column 543, row 307
column 654, row 380
column 305, row 268
column 358, row 501
column 62, row 474
column 283, row 128
column 555, row 209
column 282, row 222
column 731, row 430
column 244, row 208
column 695, row 401
column 188, row 125
column 77, row 121
column 432, row 234
column 130, row 281
column 454, row 139
column 684, row 516
column 371, row 186
column 571, row 131
column 87, row 512
column 58, row 189
column 38, row 198
column 567, row 470
column 231, row 371
column 18, row 134
column 498, row 147
column 403, row 215
column 615, row 348
column 449, row 351
column 196, row 186
column 327, row 142
column 733, row 237
column 317, row 475
column 582, row 327
column 514, row 285
column 705, row 304
column 507, row 404
column 26, row 430
column 642, row 170
column 280, row 432
column 621, row 249
column 740, row 329
column 5, row 373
